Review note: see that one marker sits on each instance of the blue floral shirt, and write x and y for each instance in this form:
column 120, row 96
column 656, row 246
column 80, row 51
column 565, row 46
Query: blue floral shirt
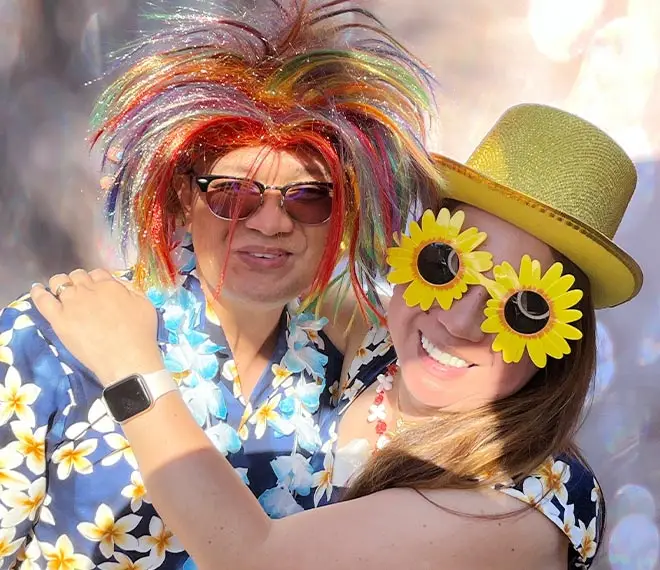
column 71, row 496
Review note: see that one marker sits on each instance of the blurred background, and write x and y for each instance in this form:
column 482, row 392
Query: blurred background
column 597, row 58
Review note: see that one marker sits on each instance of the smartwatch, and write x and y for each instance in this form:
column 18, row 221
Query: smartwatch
column 136, row 394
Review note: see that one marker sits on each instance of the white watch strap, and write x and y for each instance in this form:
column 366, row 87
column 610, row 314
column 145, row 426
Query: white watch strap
column 159, row 383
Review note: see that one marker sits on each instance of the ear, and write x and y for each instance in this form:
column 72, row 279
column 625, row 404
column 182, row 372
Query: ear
column 182, row 185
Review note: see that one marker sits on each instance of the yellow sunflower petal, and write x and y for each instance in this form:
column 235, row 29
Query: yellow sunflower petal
column 555, row 344
column 407, row 244
column 478, row 260
column 502, row 339
column 446, row 297
column 470, row 239
column 400, row 275
column 444, row 218
column 415, row 232
column 537, row 352
column 496, row 290
column 506, row 276
column 551, row 275
column 568, row 332
column 526, row 276
column 400, row 252
column 429, row 225
column 492, row 324
column 515, row 350
column 509, row 345
column 560, row 286
column 418, row 293
column 456, row 223
column 568, row 315
column 567, row 300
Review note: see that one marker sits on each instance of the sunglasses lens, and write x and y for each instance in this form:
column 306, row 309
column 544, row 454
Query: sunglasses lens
column 438, row 263
column 309, row 203
column 233, row 199
column 527, row 312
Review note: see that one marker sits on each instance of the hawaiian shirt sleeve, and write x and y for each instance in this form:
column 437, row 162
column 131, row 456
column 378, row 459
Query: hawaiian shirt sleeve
column 33, row 388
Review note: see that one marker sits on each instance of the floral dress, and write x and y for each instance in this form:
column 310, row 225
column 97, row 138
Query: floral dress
column 71, row 495
column 564, row 489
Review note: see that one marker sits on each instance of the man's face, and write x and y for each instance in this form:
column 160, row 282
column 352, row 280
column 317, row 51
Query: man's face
column 271, row 258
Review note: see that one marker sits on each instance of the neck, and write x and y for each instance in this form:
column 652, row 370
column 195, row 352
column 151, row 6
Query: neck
column 248, row 327
column 405, row 405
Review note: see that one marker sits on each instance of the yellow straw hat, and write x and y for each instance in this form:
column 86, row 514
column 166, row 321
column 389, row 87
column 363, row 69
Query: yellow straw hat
column 562, row 180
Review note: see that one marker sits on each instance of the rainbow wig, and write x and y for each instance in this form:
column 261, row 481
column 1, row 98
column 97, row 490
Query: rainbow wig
column 323, row 75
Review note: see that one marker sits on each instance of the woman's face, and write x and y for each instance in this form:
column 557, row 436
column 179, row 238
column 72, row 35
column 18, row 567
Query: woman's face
column 476, row 375
column 271, row 258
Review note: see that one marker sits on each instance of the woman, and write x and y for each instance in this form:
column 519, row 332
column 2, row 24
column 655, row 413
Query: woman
column 252, row 163
column 492, row 319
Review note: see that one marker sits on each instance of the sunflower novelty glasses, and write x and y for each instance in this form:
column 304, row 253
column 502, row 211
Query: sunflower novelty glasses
column 527, row 310
column 230, row 198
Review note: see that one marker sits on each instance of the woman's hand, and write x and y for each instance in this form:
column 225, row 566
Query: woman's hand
column 102, row 322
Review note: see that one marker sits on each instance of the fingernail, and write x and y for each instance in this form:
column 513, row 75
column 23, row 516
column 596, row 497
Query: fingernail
column 36, row 285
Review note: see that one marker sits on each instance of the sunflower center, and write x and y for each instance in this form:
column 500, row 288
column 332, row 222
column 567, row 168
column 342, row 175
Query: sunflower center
column 527, row 312
column 438, row 263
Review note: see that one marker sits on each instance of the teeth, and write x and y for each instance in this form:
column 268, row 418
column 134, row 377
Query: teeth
column 265, row 255
column 442, row 357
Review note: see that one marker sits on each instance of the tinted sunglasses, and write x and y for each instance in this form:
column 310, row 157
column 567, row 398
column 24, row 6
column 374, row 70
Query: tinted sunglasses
column 233, row 198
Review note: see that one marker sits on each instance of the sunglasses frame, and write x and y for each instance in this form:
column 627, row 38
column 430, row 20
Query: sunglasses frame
column 203, row 182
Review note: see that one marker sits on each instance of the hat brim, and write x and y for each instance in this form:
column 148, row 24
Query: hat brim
column 614, row 275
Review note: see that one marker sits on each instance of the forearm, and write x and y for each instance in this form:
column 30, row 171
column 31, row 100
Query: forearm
column 195, row 489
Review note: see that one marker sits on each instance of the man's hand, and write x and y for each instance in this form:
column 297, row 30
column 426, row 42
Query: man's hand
column 102, row 322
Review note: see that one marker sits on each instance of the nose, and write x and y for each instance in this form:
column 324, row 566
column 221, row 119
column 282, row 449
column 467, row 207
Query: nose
column 270, row 218
column 463, row 319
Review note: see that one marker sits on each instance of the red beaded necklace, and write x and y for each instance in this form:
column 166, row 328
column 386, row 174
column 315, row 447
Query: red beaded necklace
column 377, row 411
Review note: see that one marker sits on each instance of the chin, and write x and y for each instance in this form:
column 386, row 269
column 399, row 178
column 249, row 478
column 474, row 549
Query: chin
column 261, row 294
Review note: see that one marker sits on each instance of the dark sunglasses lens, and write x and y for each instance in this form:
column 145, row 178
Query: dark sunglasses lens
column 438, row 263
column 233, row 199
column 527, row 312
column 308, row 203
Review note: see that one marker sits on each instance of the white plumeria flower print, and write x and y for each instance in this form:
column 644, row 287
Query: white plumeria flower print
column 97, row 420
column 125, row 563
column 589, row 545
column 159, row 541
column 61, row 556
column 122, row 450
column 110, row 533
column 554, row 475
column 136, row 491
column 323, row 479
column 16, row 398
column 31, row 445
column 10, row 458
column 23, row 505
column 352, row 390
column 74, row 458
column 8, row 545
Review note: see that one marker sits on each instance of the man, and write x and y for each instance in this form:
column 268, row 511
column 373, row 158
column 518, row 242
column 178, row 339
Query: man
column 257, row 151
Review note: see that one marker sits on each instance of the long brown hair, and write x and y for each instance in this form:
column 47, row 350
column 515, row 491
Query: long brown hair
column 506, row 439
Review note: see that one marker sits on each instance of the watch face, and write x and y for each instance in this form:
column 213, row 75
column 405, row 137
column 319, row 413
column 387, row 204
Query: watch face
column 127, row 398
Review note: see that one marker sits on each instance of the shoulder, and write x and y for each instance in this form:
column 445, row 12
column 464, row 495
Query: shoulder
column 565, row 490
column 22, row 326
column 31, row 362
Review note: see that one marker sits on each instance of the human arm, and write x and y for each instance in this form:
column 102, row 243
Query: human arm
column 218, row 520
column 208, row 507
